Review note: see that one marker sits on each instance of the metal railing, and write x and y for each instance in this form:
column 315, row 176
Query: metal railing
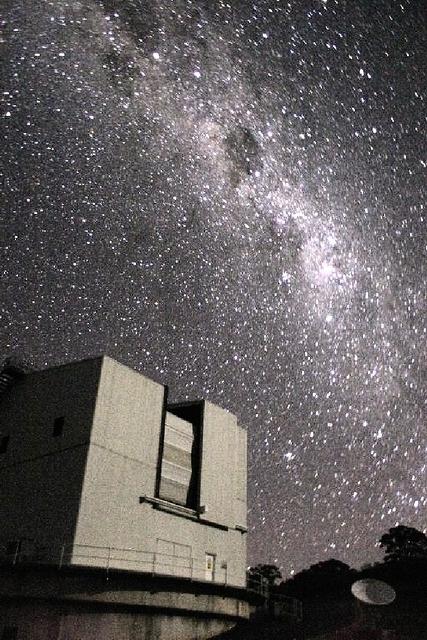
column 277, row 604
column 157, row 563
column 286, row 606
column 28, row 551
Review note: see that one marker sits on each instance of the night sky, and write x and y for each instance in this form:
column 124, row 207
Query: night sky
column 230, row 198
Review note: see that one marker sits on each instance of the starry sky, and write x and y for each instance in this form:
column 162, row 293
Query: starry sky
column 230, row 197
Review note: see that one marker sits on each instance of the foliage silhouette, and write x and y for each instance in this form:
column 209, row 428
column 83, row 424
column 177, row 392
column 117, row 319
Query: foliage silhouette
column 403, row 542
column 269, row 572
column 328, row 576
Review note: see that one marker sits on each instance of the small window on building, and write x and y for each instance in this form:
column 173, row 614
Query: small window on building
column 58, row 426
column 4, row 443
column 10, row 633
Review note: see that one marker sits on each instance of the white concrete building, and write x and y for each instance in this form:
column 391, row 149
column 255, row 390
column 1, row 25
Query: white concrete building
column 96, row 469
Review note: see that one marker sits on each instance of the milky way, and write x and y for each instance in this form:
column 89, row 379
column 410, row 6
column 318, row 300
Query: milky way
column 230, row 198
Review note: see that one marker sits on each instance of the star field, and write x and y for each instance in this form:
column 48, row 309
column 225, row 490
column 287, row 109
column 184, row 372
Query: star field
column 230, row 197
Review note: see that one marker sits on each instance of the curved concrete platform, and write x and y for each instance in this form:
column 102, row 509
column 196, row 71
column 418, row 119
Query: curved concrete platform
column 80, row 603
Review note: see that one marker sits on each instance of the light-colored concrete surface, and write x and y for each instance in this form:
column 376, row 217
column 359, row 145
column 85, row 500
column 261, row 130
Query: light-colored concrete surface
column 50, row 621
column 41, row 476
column 83, row 487
column 47, row 603
column 122, row 589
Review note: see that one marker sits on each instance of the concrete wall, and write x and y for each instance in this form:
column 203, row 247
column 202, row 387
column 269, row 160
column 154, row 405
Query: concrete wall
column 122, row 461
column 41, row 475
column 122, row 466
column 85, row 485
column 241, row 467
column 47, row 603
column 223, row 474
column 54, row 621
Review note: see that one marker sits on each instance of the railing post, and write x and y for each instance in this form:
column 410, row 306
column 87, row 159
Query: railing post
column 61, row 557
column 108, row 561
column 15, row 555
column 154, row 563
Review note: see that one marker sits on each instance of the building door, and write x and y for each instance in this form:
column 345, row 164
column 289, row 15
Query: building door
column 209, row 567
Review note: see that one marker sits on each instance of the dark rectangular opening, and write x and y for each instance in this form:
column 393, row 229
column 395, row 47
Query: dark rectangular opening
column 192, row 411
column 4, row 443
column 58, row 426
column 10, row 633
column 171, row 490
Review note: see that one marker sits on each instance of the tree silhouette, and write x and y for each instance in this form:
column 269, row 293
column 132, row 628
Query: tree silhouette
column 326, row 576
column 267, row 573
column 404, row 542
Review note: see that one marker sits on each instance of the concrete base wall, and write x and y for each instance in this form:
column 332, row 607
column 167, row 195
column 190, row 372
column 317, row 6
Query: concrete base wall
column 45, row 603
column 40, row 620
